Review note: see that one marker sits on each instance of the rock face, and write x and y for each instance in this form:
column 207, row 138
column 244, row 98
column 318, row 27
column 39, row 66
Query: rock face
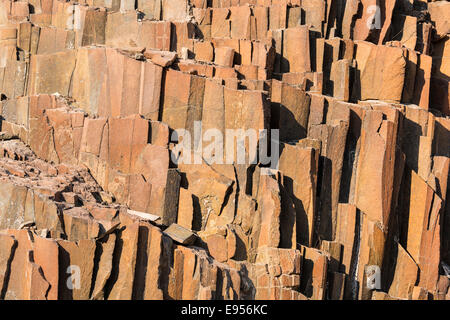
column 245, row 149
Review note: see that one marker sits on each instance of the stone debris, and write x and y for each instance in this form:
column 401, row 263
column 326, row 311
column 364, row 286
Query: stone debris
column 94, row 206
column 144, row 216
column 180, row 234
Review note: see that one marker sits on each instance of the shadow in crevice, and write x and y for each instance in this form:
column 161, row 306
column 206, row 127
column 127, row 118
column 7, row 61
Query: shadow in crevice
column 325, row 196
column 410, row 141
column 441, row 143
column 355, row 89
column 197, row 214
column 352, row 285
column 404, row 208
column 141, row 263
column 8, row 271
column 64, row 292
column 348, row 168
column 117, row 254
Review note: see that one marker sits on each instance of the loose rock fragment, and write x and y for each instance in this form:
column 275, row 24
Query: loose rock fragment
column 180, row 234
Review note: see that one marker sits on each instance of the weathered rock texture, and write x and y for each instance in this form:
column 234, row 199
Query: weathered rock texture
column 92, row 207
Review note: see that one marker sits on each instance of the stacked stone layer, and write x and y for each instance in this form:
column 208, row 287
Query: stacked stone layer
column 92, row 207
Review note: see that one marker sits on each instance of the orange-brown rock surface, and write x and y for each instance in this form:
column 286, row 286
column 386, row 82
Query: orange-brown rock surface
column 94, row 206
